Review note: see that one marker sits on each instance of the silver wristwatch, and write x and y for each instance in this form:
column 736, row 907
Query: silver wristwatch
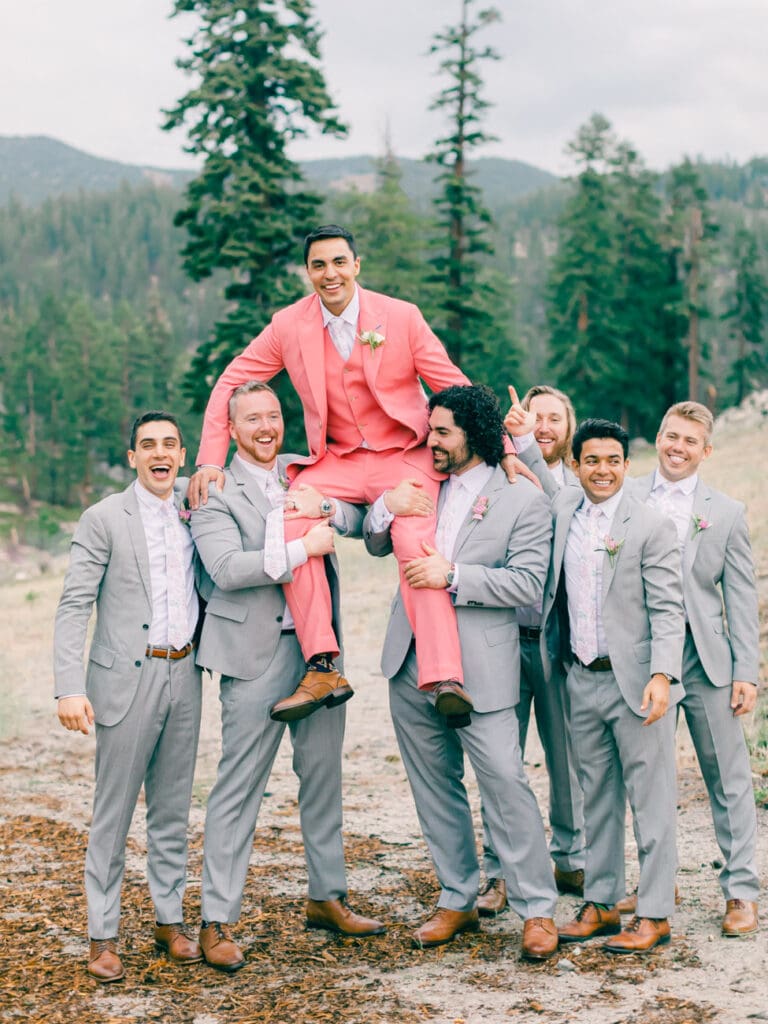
column 325, row 507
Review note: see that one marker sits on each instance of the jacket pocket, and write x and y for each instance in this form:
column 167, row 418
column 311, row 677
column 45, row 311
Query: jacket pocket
column 101, row 655
column 504, row 633
column 643, row 651
column 227, row 609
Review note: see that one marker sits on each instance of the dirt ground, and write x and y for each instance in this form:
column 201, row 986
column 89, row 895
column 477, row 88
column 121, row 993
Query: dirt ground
column 298, row 976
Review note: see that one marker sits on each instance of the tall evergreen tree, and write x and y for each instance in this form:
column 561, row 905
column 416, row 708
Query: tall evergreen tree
column 259, row 87
column 746, row 315
column 471, row 302
column 691, row 230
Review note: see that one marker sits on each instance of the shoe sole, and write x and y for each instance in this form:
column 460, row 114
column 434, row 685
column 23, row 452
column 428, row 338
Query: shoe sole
column 227, row 968
column 740, row 935
column 418, row 944
column 299, row 711
column 452, row 704
column 609, row 929
column 618, row 949
column 106, row 981
column 526, row 955
column 340, row 931
column 160, row 948
column 487, row 912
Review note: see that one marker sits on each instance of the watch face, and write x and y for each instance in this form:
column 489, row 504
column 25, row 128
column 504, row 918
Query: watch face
column 325, row 507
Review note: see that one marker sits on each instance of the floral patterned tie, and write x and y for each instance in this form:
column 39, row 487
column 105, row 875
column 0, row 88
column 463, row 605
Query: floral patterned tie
column 586, row 616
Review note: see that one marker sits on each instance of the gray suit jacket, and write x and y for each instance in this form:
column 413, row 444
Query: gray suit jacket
column 244, row 615
column 502, row 562
column 642, row 596
column 719, row 572
column 535, row 461
column 108, row 567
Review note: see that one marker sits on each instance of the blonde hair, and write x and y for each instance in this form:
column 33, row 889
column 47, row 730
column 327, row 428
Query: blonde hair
column 247, row 389
column 694, row 411
column 547, row 389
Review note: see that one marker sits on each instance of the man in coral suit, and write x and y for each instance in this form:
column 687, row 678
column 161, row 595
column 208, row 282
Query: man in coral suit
column 355, row 358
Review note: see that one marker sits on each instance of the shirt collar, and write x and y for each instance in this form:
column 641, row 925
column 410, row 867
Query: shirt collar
column 258, row 472
column 607, row 507
column 151, row 501
column 473, row 479
column 350, row 314
column 685, row 486
column 558, row 472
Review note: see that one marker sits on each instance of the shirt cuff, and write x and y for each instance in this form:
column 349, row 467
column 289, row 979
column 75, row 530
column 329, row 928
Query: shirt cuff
column 380, row 518
column 523, row 442
column 297, row 553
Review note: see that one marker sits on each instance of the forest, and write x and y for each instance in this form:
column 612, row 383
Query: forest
column 629, row 288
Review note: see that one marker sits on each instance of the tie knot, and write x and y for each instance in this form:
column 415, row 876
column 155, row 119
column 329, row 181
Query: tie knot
column 594, row 511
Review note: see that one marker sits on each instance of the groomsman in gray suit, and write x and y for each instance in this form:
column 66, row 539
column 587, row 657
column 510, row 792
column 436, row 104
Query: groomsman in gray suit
column 613, row 610
column 722, row 644
column 132, row 558
column 248, row 636
column 491, row 553
column 541, row 427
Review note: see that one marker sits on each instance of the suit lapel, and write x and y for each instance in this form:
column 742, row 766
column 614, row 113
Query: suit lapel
column 618, row 534
column 372, row 318
column 138, row 538
column 702, row 506
column 492, row 491
column 248, row 486
column 311, row 341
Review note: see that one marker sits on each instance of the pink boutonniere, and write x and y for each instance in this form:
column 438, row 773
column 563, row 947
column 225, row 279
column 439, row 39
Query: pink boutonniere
column 185, row 515
column 612, row 548
column 699, row 525
column 371, row 338
column 480, row 507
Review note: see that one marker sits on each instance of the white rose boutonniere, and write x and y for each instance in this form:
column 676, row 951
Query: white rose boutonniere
column 371, row 338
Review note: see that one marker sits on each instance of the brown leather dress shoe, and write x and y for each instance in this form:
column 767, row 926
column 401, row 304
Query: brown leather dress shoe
column 316, row 690
column 445, row 925
column 335, row 916
column 452, row 699
column 492, row 898
column 570, row 881
column 103, row 962
column 629, row 904
column 539, row 938
column 177, row 944
column 640, row 936
column 219, row 948
column 740, row 918
column 590, row 921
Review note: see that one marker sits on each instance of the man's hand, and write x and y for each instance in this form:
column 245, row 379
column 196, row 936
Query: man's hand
column 429, row 572
column 319, row 540
column 743, row 698
column 512, row 466
column 656, row 694
column 303, row 502
column 197, row 491
column 518, row 421
column 76, row 713
column 408, row 499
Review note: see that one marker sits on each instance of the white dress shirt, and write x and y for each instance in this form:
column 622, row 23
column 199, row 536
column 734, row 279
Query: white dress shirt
column 343, row 328
column 152, row 519
column 576, row 549
column 674, row 499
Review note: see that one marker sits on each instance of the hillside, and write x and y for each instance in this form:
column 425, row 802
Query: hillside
column 36, row 168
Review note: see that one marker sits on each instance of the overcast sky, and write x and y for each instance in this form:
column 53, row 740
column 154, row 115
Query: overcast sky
column 675, row 77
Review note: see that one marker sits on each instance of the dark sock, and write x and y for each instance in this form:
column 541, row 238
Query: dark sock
column 320, row 663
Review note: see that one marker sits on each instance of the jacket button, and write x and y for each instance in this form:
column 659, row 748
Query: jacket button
column 279, row 618
column 137, row 664
column 145, row 626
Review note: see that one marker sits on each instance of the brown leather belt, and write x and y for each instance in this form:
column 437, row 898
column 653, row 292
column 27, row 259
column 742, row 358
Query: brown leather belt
column 598, row 665
column 529, row 632
column 169, row 653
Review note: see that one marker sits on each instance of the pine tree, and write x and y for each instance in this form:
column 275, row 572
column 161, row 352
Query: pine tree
column 747, row 315
column 260, row 87
column 472, row 311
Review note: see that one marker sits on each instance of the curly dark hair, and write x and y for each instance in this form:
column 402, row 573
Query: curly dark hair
column 476, row 411
column 594, row 428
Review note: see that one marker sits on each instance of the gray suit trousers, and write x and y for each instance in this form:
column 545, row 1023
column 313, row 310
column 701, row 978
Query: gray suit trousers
column 433, row 756
column 618, row 757
column 724, row 760
column 566, row 806
column 155, row 744
column 249, row 745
